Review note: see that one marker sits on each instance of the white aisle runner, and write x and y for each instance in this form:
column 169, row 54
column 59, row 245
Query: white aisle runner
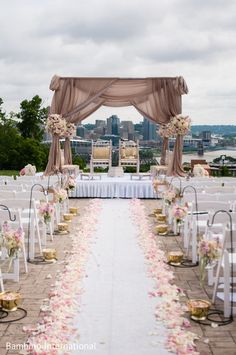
column 116, row 312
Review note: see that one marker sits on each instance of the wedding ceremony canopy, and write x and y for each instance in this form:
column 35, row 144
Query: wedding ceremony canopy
column 75, row 98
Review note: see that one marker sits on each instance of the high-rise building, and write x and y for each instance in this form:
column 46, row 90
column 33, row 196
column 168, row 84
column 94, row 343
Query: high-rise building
column 113, row 125
column 81, row 131
column 128, row 126
column 149, row 130
column 100, row 123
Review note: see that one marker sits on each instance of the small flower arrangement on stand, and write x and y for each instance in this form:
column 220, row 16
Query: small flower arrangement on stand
column 46, row 211
column 209, row 252
column 11, row 240
column 178, row 212
column 60, row 195
column 169, row 197
column 71, row 183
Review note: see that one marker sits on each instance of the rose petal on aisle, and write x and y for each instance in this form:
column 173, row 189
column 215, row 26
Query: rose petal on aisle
column 169, row 310
column 57, row 324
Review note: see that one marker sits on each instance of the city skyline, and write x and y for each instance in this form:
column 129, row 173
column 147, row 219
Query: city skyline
column 122, row 39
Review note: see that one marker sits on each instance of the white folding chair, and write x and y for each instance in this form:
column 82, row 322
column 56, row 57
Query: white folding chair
column 223, row 285
column 23, row 205
column 16, row 212
column 11, row 187
column 197, row 221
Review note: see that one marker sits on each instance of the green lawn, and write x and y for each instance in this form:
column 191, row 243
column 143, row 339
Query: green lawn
column 9, row 172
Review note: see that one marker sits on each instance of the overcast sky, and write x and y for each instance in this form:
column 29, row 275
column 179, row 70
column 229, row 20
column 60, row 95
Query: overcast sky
column 124, row 38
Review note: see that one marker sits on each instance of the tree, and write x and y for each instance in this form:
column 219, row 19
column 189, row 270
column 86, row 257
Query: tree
column 32, row 118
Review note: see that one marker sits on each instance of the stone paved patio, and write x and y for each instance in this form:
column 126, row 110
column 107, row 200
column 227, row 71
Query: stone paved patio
column 35, row 286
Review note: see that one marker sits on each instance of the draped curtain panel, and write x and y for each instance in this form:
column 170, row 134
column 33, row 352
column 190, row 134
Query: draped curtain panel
column 155, row 98
column 54, row 158
column 165, row 147
column 67, row 152
column 175, row 167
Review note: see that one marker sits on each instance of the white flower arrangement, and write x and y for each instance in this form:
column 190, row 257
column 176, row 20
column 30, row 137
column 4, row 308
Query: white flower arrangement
column 71, row 183
column 180, row 124
column 199, row 171
column 11, row 240
column 169, row 196
column 70, row 130
column 28, row 170
column 166, row 130
column 56, row 124
column 60, row 195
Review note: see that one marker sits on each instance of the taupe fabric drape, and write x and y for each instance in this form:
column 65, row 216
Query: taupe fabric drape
column 165, row 146
column 175, row 167
column 155, row 98
column 67, row 152
column 54, row 158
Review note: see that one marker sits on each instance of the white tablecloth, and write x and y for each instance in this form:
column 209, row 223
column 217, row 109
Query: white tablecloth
column 114, row 187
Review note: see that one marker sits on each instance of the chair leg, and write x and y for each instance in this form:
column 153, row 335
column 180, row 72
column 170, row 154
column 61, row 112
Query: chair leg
column 226, row 285
column 51, row 230
column 216, row 280
column 24, row 257
column 194, row 247
column 32, row 240
column 186, row 232
column 1, row 281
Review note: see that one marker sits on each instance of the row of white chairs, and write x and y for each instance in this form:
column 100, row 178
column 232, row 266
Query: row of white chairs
column 197, row 223
column 212, row 195
column 18, row 203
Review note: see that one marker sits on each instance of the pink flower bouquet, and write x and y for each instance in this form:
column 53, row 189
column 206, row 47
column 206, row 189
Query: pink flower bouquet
column 179, row 212
column 209, row 252
column 46, row 211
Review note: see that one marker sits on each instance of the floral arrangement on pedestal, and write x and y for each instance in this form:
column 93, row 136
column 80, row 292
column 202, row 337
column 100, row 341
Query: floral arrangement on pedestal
column 60, row 195
column 209, row 251
column 28, row 170
column 199, row 171
column 11, row 240
column 46, row 211
column 70, row 130
column 180, row 124
column 56, row 124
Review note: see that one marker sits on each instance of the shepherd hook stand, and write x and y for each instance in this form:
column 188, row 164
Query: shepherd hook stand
column 39, row 260
column 186, row 263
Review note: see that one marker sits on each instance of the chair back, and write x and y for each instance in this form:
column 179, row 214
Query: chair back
column 129, row 154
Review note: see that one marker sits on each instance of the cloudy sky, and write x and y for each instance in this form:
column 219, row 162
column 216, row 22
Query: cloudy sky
column 124, row 38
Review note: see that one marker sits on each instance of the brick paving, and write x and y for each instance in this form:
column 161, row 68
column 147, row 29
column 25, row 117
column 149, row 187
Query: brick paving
column 35, row 287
